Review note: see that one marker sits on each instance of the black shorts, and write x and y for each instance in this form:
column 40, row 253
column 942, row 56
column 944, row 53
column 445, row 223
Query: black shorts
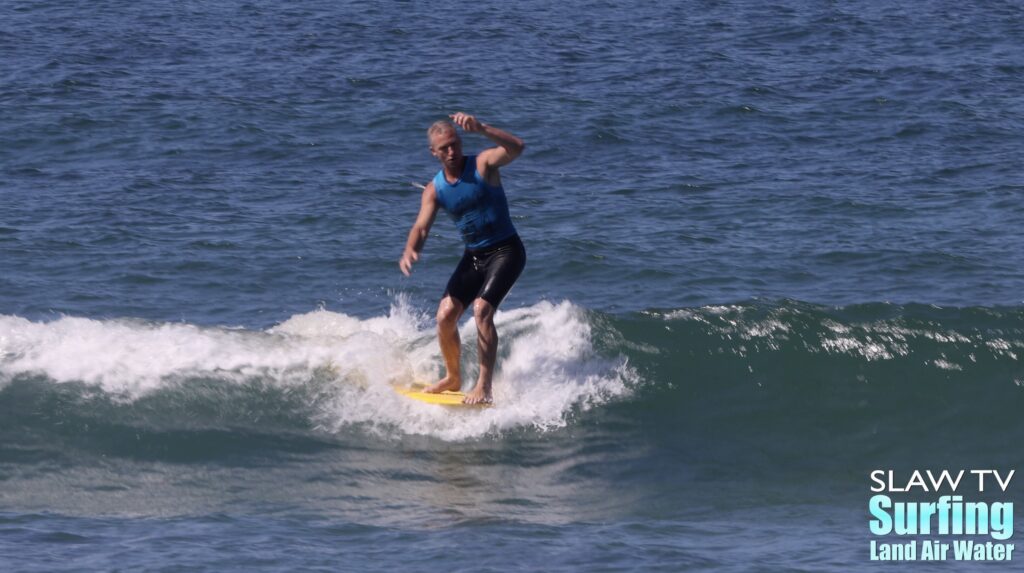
column 487, row 273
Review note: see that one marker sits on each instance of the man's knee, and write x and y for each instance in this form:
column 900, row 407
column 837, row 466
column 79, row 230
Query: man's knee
column 449, row 311
column 483, row 311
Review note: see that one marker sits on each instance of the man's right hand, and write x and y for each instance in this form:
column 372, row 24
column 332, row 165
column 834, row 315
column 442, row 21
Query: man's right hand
column 408, row 258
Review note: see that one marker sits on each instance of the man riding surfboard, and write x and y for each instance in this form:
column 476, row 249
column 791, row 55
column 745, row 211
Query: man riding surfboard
column 469, row 188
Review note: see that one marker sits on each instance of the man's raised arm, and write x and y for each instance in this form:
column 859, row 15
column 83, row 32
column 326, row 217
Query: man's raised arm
column 509, row 146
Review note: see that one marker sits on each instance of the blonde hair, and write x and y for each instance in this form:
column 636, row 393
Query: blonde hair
column 440, row 126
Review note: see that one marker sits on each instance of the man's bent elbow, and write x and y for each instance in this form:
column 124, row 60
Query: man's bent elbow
column 517, row 150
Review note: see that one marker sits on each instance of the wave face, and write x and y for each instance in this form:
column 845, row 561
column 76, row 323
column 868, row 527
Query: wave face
column 835, row 389
column 876, row 375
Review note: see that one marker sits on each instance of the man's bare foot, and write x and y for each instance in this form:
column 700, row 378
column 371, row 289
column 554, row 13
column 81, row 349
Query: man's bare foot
column 478, row 396
column 447, row 383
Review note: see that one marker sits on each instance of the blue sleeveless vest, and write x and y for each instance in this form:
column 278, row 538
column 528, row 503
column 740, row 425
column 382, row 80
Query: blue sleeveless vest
column 479, row 210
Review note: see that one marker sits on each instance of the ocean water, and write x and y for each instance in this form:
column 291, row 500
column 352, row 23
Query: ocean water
column 773, row 247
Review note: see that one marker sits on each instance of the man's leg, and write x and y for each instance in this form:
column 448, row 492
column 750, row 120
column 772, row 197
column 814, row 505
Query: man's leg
column 448, row 313
column 487, row 348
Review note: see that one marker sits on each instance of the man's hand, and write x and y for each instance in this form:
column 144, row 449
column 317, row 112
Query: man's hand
column 467, row 122
column 408, row 258
column 509, row 146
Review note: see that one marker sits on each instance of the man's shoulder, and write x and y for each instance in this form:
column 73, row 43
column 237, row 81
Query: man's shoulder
column 480, row 162
column 430, row 192
column 438, row 177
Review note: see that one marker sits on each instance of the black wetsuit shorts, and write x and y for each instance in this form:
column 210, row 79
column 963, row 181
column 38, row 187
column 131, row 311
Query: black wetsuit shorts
column 487, row 273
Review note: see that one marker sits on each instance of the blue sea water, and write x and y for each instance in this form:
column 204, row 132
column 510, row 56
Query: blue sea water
column 773, row 246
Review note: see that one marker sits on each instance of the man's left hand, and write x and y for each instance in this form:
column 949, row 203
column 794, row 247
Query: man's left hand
column 467, row 122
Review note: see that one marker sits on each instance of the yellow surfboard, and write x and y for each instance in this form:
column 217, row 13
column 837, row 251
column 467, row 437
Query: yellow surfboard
column 442, row 399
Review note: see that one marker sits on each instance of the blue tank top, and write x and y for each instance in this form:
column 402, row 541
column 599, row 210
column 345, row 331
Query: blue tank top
column 480, row 211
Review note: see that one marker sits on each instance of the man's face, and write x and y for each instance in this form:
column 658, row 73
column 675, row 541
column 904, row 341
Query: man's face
column 447, row 148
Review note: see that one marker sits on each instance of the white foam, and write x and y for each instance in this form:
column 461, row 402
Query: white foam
column 547, row 368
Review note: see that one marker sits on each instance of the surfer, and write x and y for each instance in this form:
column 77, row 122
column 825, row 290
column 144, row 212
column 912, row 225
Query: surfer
column 469, row 188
